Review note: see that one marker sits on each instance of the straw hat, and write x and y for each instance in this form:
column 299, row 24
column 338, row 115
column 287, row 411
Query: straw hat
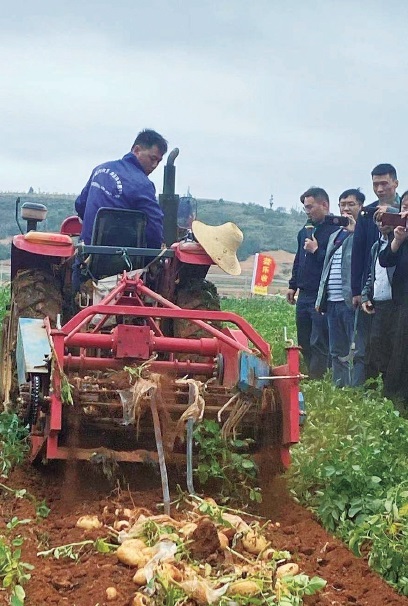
column 221, row 243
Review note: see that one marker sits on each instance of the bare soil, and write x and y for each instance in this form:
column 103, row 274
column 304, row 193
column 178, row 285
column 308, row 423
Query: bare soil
column 72, row 490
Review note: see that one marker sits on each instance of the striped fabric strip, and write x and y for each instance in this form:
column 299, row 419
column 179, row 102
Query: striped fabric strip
column 334, row 283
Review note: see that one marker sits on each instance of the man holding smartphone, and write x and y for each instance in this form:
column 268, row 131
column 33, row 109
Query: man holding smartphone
column 395, row 256
column 312, row 333
column 385, row 183
column 335, row 297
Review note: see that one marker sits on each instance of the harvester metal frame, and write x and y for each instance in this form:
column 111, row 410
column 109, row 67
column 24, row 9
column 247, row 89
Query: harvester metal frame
column 235, row 358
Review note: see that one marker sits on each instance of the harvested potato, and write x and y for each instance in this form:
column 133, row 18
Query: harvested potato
column 244, row 587
column 170, row 571
column 140, row 599
column 211, row 501
column 224, row 542
column 131, row 553
column 140, row 577
column 268, row 554
column 111, row 593
column 149, row 551
column 120, row 525
column 254, row 543
column 287, row 570
column 89, row 522
column 236, row 522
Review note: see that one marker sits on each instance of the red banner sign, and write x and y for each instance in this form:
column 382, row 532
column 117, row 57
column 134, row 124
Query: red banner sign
column 264, row 269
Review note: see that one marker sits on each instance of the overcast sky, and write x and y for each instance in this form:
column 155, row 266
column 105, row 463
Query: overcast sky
column 261, row 96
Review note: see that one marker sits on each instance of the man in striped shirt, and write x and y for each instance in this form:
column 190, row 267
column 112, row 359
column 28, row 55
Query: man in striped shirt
column 335, row 298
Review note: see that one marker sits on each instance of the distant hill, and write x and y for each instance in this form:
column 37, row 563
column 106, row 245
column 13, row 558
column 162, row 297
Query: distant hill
column 263, row 228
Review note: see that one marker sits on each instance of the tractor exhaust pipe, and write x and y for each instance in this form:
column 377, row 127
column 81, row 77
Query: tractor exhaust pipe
column 169, row 200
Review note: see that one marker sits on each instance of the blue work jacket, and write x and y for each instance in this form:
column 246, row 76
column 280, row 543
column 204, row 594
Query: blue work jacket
column 121, row 184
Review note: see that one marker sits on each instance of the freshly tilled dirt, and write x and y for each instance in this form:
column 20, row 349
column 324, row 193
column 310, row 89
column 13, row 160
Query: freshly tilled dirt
column 75, row 489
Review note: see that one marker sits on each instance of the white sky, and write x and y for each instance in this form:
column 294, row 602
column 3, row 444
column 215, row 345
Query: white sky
column 261, row 96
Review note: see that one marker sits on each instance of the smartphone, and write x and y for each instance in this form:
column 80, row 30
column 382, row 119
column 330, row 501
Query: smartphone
column 368, row 211
column 335, row 220
column 393, row 220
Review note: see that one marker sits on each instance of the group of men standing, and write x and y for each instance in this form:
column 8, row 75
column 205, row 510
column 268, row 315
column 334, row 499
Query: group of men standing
column 350, row 274
column 344, row 291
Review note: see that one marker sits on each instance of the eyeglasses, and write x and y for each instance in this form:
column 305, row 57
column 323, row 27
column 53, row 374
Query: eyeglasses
column 348, row 204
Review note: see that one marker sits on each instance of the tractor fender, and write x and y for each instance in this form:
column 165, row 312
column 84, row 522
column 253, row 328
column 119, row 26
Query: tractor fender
column 192, row 253
column 45, row 244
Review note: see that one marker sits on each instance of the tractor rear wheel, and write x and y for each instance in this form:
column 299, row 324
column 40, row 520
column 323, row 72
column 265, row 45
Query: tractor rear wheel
column 36, row 293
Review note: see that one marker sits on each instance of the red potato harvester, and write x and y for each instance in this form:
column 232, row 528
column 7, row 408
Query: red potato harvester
column 135, row 360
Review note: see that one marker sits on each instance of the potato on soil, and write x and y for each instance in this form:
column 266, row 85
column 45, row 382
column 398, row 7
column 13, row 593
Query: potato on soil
column 287, row 570
column 268, row 554
column 120, row 525
column 224, row 542
column 111, row 593
column 140, row 577
column 234, row 524
column 254, row 543
column 247, row 588
column 131, row 553
column 171, row 572
column 89, row 522
column 140, row 599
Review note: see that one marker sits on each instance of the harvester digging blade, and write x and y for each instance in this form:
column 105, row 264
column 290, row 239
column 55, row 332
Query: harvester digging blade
column 190, row 431
column 160, row 451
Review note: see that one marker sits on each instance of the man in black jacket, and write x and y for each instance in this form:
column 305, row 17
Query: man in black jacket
column 366, row 233
column 312, row 332
column 385, row 185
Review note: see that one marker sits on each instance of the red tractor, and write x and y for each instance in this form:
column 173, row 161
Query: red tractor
column 120, row 372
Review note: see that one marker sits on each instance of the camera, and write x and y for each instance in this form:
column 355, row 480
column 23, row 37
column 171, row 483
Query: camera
column 335, row 220
column 368, row 211
column 393, row 220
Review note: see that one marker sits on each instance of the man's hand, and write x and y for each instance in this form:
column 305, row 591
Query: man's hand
column 368, row 307
column 400, row 233
column 357, row 301
column 290, row 296
column 351, row 224
column 311, row 245
column 379, row 213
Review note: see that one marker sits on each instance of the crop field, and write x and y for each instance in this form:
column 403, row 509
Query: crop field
column 350, row 467
column 338, row 519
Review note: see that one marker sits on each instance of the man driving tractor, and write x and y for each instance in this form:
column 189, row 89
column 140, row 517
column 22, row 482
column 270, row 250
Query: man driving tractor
column 124, row 184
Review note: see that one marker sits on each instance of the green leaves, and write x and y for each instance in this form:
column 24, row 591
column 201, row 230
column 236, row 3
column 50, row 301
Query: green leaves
column 269, row 316
column 13, row 442
column 73, row 551
column 13, row 572
column 219, row 461
column 350, row 468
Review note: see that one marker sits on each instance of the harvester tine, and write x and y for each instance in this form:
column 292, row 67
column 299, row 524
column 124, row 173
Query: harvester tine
column 190, row 429
column 160, row 452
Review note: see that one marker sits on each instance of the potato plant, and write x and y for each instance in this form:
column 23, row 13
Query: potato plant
column 350, row 469
column 269, row 316
column 350, row 465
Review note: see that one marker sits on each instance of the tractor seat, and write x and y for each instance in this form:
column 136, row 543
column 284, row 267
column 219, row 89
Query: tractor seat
column 118, row 228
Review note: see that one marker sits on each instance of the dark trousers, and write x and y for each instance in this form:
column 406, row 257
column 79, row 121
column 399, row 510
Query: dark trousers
column 381, row 339
column 396, row 374
column 312, row 334
column 347, row 363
